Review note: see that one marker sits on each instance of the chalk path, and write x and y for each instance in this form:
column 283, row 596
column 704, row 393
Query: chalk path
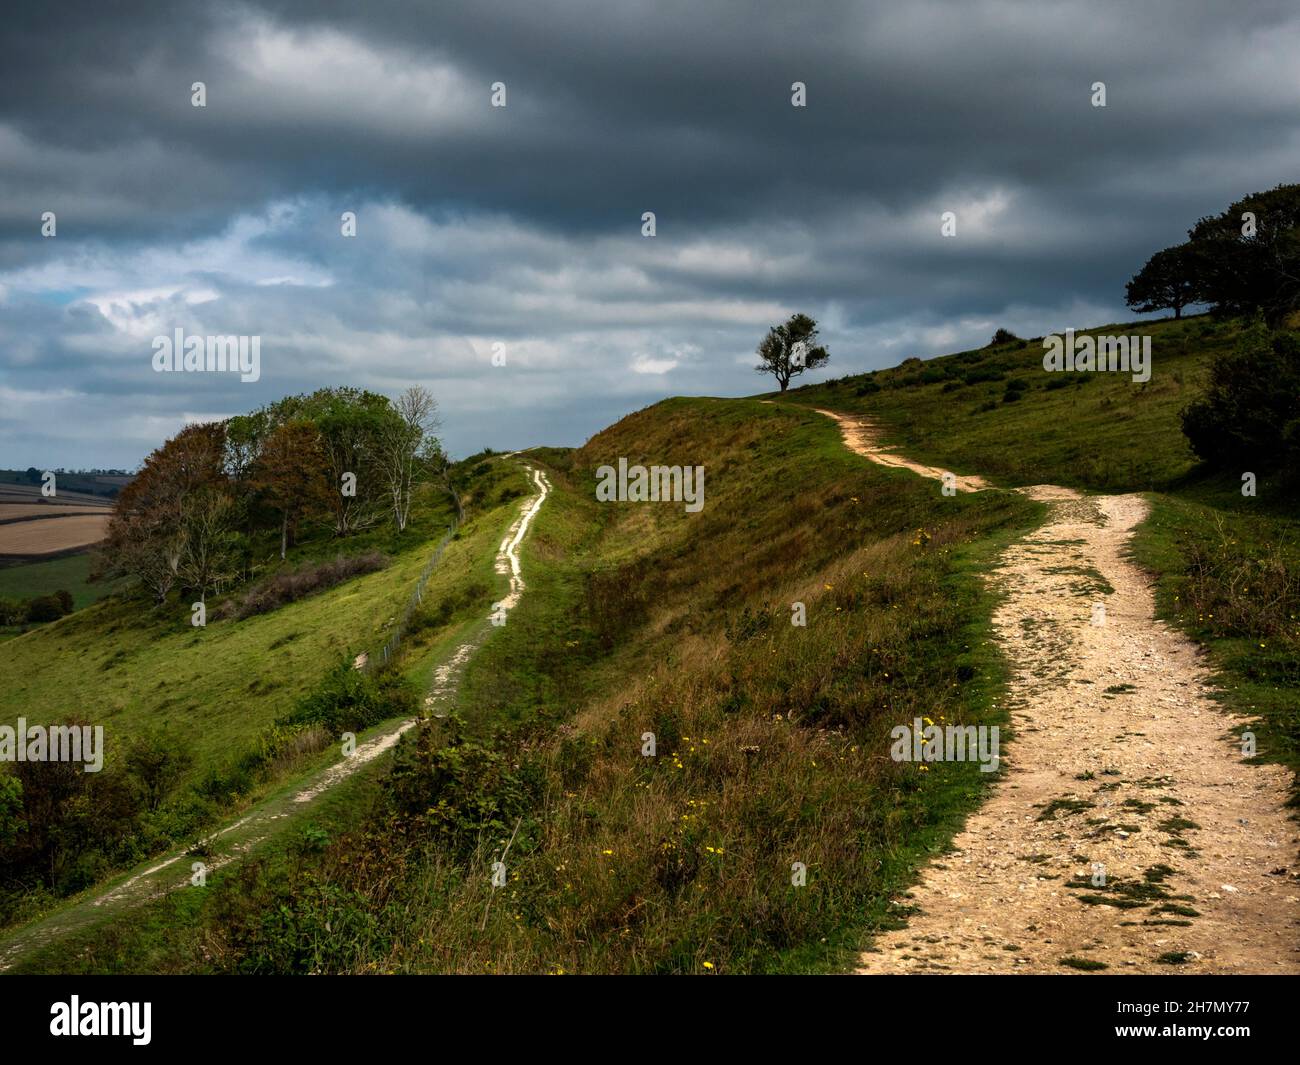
column 1121, row 764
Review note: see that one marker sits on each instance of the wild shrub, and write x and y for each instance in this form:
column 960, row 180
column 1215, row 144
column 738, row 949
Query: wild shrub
column 449, row 787
column 157, row 762
column 1249, row 416
column 45, row 608
column 62, row 828
column 290, row 585
column 349, row 700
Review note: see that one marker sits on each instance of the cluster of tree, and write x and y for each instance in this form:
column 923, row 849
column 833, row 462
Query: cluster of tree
column 84, row 482
column 35, row 611
column 343, row 458
column 1244, row 261
column 33, row 476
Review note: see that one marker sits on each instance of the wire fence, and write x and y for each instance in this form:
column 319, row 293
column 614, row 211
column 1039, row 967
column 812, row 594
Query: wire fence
column 386, row 653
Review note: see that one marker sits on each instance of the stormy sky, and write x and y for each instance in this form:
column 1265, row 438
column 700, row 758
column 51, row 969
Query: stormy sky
column 521, row 225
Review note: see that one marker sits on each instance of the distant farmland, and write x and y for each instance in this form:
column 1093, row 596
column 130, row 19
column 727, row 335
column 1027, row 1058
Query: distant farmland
column 12, row 512
column 11, row 494
column 33, row 527
column 47, row 537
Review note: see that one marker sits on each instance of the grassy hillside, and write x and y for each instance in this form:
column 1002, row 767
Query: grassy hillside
column 772, row 740
column 132, row 669
column 224, row 701
column 1099, row 431
column 1227, row 566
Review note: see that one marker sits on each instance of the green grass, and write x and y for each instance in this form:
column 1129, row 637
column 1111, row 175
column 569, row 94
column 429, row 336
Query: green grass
column 1227, row 567
column 772, row 740
column 457, row 596
column 1096, row 431
column 1228, row 574
column 130, row 668
column 70, row 573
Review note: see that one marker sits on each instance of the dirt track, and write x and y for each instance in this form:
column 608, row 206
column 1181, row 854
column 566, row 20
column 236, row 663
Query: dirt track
column 1121, row 764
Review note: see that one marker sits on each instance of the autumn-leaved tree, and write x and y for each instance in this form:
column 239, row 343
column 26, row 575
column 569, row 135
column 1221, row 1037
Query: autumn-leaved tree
column 290, row 475
column 147, row 534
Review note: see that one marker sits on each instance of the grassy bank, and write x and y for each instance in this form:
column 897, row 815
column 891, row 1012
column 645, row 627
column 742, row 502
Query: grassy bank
column 42, row 578
column 1228, row 574
column 201, row 723
column 994, row 411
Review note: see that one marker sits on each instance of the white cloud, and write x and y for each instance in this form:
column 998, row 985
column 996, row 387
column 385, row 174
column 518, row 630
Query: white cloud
column 644, row 364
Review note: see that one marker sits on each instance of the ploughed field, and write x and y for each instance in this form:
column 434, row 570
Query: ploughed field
column 34, row 527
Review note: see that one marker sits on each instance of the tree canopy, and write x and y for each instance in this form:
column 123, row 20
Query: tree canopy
column 1241, row 262
column 791, row 348
column 339, row 458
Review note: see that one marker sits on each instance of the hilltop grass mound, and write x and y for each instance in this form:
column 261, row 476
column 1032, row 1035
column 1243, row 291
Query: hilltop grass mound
column 996, row 412
column 1227, row 564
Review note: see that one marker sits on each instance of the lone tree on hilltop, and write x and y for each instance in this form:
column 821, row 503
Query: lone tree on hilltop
column 791, row 348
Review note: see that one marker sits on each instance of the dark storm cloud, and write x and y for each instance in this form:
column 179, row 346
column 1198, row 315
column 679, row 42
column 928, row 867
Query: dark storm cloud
column 521, row 225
